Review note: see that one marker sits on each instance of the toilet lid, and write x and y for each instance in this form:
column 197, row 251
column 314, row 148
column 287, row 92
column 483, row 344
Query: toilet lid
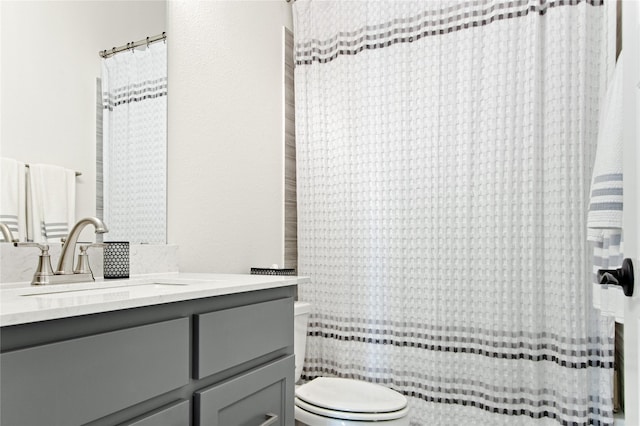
column 352, row 396
column 345, row 415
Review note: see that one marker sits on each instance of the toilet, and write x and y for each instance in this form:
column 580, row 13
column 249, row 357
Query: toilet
column 331, row 401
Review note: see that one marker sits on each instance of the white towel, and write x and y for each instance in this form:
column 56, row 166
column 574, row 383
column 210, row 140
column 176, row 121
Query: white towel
column 605, row 209
column 51, row 202
column 604, row 220
column 13, row 211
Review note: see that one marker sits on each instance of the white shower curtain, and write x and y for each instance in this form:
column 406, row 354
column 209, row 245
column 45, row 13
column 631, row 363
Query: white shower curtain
column 134, row 97
column 444, row 160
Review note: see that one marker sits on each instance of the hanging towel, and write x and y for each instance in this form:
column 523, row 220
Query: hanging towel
column 51, row 202
column 13, row 211
column 604, row 220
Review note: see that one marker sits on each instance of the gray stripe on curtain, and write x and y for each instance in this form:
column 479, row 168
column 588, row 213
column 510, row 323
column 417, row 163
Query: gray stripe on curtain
column 413, row 29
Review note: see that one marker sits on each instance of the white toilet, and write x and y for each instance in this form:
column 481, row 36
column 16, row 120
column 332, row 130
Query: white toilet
column 328, row 401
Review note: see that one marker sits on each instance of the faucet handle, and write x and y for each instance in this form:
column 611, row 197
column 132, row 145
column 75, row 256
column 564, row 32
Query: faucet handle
column 82, row 266
column 42, row 247
column 87, row 246
column 44, row 271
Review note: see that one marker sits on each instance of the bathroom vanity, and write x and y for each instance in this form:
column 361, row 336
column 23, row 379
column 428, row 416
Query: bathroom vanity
column 171, row 349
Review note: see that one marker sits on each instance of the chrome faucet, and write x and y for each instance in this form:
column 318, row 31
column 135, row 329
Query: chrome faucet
column 65, row 274
column 6, row 233
column 65, row 264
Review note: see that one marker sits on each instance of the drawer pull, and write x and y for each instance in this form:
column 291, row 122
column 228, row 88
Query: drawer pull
column 270, row 419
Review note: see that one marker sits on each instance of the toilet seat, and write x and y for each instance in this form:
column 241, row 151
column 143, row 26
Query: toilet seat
column 346, row 415
column 348, row 399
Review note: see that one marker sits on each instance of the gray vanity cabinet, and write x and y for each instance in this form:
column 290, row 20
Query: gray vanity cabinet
column 261, row 397
column 79, row 380
column 264, row 328
column 225, row 360
column 176, row 414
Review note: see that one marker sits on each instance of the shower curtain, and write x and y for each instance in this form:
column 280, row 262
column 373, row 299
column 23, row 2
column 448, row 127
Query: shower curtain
column 134, row 98
column 444, row 154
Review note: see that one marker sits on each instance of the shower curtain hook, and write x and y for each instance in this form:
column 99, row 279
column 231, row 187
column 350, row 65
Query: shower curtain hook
column 113, row 51
column 132, row 46
column 164, row 37
column 147, row 42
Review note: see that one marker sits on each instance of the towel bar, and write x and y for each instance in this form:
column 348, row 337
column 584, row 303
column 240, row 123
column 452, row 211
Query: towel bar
column 77, row 173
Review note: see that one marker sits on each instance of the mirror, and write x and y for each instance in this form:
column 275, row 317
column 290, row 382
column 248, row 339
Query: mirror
column 49, row 56
column 131, row 151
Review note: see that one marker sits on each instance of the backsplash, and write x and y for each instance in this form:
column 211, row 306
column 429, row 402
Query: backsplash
column 18, row 264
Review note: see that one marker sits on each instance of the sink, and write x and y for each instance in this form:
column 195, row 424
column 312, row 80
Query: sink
column 129, row 290
column 105, row 291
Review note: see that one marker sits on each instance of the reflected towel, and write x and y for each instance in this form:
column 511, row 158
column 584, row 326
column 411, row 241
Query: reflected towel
column 13, row 197
column 51, row 202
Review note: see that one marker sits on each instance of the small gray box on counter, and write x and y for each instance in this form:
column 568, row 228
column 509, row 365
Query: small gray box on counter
column 273, row 271
column 116, row 259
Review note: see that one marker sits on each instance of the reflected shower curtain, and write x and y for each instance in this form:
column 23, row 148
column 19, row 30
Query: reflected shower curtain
column 444, row 160
column 134, row 98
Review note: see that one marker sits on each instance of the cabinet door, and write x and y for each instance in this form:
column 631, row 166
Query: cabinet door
column 177, row 414
column 263, row 396
column 229, row 337
column 79, row 380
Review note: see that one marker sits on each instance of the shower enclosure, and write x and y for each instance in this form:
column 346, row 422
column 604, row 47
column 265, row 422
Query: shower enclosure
column 444, row 154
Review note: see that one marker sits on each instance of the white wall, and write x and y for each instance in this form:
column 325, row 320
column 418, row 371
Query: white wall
column 48, row 64
column 631, row 130
column 225, row 168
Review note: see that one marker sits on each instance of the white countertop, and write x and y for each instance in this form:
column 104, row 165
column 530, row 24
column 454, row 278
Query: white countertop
column 21, row 303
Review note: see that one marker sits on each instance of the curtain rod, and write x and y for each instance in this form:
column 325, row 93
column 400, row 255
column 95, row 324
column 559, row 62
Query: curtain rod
column 77, row 173
column 132, row 45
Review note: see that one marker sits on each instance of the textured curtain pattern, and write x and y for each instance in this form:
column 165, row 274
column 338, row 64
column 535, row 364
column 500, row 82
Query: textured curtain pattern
column 444, row 160
column 134, row 98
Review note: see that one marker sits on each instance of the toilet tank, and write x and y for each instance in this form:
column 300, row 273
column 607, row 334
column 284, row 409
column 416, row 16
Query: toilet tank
column 301, row 317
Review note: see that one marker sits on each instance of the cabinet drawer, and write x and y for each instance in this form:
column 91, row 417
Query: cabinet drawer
column 264, row 327
column 177, row 414
column 250, row 399
column 79, row 380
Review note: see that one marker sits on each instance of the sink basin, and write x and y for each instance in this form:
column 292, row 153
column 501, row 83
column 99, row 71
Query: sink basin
column 125, row 290
column 65, row 295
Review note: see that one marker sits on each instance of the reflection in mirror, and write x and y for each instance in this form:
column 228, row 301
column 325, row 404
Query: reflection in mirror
column 12, row 200
column 7, row 235
column 49, row 64
column 134, row 138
